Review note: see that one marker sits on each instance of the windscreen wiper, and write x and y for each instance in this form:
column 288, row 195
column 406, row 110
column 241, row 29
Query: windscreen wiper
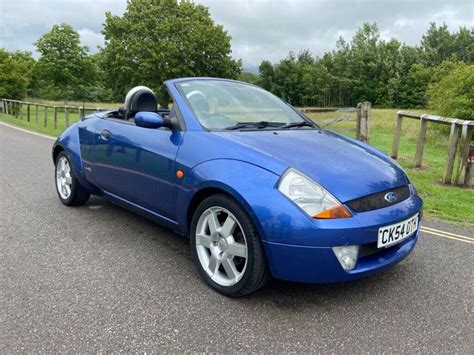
column 298, row 124
column 258, row 125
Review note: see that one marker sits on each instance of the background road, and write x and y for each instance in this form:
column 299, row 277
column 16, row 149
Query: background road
column 100, row 278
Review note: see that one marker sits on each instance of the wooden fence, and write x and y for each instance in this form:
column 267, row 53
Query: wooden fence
column 461, row 133
column 362, row 119
column 15, row 108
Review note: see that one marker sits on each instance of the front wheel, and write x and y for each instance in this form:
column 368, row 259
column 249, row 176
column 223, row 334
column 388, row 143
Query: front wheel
column 226, row 247
column 69, row 190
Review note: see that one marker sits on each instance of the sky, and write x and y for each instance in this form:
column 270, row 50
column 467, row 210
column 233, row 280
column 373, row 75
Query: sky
column 260, row 29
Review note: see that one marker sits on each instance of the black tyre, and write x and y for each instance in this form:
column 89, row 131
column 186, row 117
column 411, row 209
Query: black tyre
column 69, row 190
column 226, row 247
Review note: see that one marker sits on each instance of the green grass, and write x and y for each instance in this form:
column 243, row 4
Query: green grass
column 447, row 203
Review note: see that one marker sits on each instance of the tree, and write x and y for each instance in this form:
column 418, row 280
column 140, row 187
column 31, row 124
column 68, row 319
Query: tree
column 437, row 44
column 267, row 75
column 463, row 45
column 157, row 40
column 15, row 71
column 64, row 63
column 288, row 80
column 414, row 85
column 385, row 72
column 249, row 77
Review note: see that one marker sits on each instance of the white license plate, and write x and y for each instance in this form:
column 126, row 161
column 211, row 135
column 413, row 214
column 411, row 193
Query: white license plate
column 395, row 233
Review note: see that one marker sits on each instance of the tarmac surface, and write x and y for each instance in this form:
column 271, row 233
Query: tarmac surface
column 99, row 278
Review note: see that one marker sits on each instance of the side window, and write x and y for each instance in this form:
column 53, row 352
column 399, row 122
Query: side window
column 175, row 116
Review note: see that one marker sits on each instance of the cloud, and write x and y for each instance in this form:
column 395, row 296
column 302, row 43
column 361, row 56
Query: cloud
column 260, row 29
column 264, row 29
column 22, row 22
column 91, row 38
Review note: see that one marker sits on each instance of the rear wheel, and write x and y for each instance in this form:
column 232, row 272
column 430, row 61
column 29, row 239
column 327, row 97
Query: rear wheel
column 69, row 190
column 226, row 247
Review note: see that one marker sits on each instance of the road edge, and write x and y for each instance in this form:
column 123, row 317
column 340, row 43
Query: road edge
column 27, row 131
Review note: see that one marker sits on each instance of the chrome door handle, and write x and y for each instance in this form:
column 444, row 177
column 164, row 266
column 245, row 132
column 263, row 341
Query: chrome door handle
column 105, row 134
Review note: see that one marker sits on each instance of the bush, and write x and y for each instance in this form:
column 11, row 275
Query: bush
column 453, row 94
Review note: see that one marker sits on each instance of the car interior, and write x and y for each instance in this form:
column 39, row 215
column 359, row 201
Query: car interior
column 142, row 99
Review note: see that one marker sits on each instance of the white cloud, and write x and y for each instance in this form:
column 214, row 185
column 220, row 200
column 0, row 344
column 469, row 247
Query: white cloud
column 260, row 29
column 91, row 39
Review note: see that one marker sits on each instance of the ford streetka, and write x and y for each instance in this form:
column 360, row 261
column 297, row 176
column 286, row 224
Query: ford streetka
column 260, row 189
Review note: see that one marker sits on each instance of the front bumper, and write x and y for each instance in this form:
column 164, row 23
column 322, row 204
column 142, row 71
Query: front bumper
column 320, row 265
column 303, row 252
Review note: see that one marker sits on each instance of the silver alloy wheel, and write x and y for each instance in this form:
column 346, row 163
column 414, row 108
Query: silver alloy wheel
column 221, row 246
column 63, row 178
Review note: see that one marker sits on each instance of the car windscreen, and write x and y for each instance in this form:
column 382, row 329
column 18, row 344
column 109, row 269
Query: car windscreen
column 221, row 104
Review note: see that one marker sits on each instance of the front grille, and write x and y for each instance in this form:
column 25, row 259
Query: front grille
column 376, row 201
column 368, row 249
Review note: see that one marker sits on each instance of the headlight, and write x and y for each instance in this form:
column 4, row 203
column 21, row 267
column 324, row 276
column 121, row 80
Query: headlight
column 311, row 197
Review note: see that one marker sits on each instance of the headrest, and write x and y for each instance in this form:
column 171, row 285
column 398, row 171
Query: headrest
column 198, row 101
column 140, row 98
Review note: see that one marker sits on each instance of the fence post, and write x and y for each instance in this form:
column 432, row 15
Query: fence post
column 396, row 139
column 363, row 121
column 28, row 112
column 45, row 116
column 66, row 114
column 55, row 117
column 36, row 114
column 15, row 108
column 452, row 146
column 420, row 145
column 20, row 106
column 81, row 112
column 466, row 137
column 358, row 119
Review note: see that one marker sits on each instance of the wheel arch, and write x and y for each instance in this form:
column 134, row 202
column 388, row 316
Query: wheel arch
column 239, row 180
column 56, row 150
column 68, row 142
column 199, row 197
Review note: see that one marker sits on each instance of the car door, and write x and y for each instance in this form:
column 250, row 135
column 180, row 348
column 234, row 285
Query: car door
column 137, row 164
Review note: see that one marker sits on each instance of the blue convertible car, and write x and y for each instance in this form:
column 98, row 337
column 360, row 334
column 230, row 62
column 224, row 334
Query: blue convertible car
column 259, row 188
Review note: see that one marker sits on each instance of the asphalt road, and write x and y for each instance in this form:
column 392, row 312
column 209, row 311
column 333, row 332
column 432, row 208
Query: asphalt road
column 98, row 278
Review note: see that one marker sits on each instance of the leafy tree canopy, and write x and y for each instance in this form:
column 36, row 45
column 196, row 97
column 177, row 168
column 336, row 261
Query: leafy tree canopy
column 368, row 68
column 156, row 40
column 64, row 62
column 15, row 69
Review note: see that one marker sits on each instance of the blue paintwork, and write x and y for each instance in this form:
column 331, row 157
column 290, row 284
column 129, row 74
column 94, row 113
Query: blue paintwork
column 136, row 168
